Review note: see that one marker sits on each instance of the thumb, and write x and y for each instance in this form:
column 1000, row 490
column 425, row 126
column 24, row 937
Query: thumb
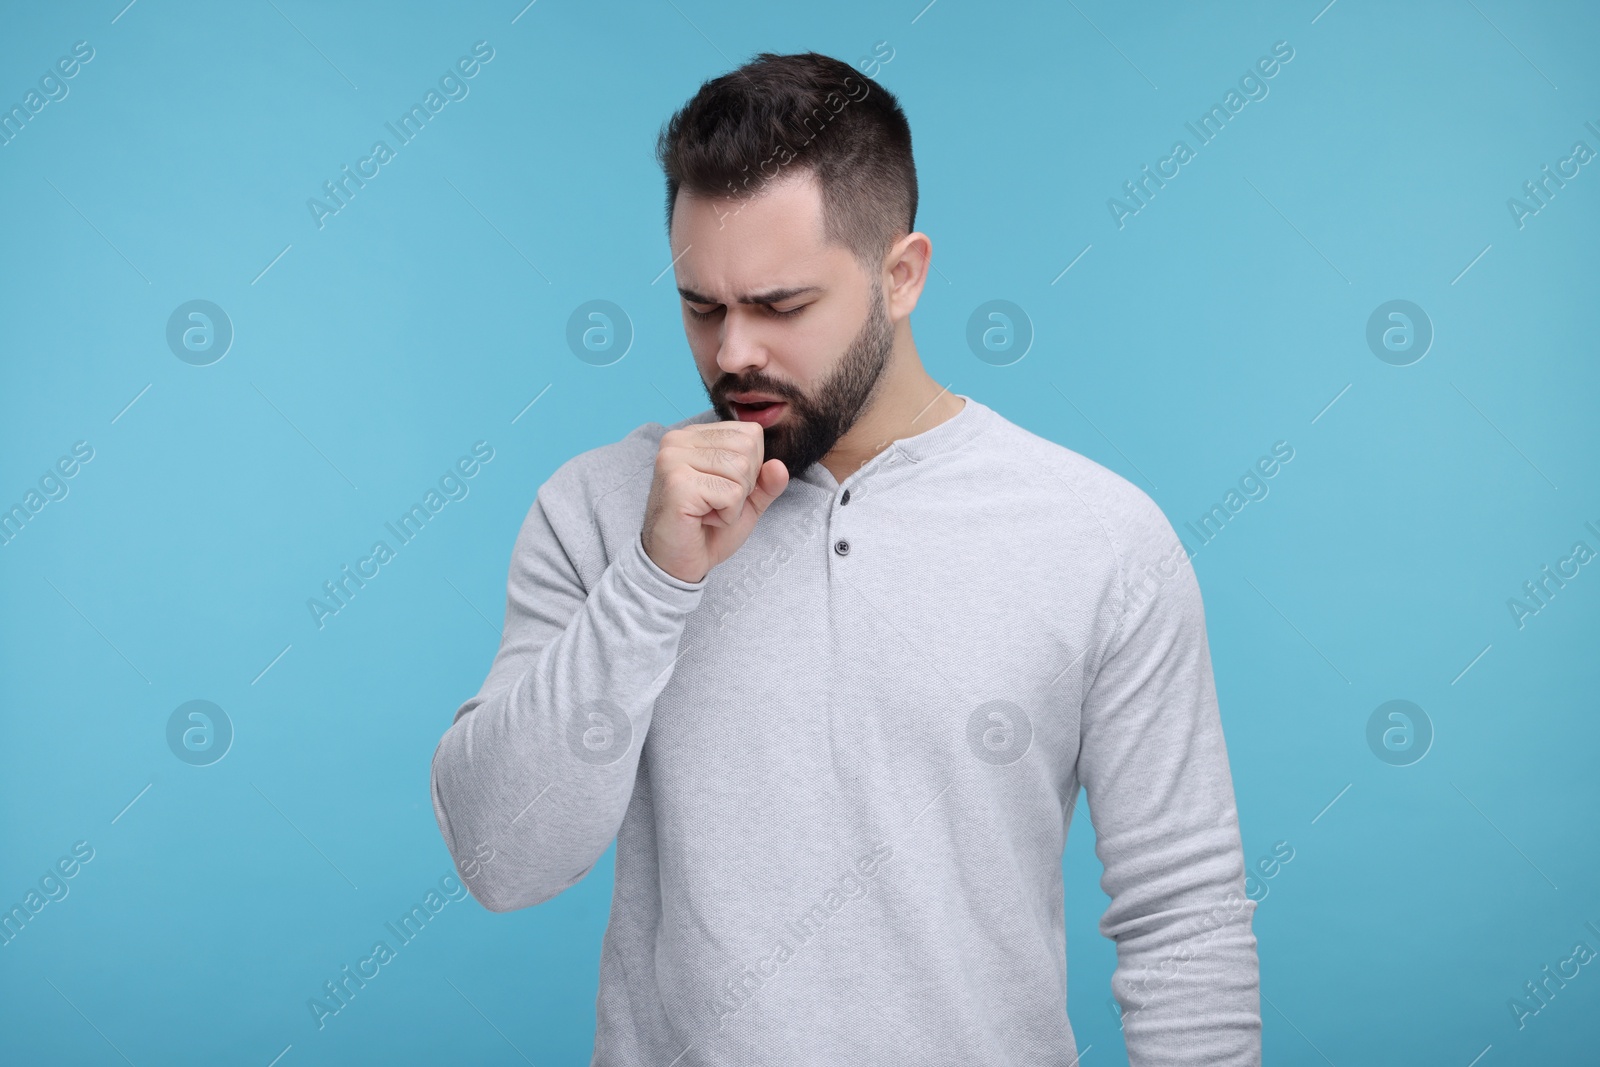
column 771, row 481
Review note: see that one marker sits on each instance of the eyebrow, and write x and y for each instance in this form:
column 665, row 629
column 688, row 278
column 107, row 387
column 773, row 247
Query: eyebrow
column 771, row 296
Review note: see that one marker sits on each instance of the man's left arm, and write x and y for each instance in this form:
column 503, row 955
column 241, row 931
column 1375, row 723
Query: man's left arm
column 1155, row 770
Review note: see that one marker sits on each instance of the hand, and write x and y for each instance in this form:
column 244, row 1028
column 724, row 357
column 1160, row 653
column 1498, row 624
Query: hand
column 710, row 487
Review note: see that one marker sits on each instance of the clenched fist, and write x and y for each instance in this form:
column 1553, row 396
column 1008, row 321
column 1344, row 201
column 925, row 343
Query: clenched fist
column 710, row 487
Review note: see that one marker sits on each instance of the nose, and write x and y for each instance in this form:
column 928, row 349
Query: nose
column 739, row 344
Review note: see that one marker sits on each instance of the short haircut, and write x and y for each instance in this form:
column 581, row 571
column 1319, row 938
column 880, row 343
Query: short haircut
column 781, row 115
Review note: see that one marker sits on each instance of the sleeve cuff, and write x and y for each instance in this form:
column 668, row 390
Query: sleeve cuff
column 645, row 573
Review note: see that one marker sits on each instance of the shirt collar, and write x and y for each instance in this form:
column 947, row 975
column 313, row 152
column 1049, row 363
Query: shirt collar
column 952, row 433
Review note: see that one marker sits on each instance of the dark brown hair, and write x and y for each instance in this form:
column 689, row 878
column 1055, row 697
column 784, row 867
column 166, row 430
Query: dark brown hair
column 782, row 114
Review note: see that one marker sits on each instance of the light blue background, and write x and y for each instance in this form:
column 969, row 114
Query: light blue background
column 1230, row 313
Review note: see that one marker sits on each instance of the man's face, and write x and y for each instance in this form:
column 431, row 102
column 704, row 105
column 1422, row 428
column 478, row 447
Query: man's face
column 787, row 316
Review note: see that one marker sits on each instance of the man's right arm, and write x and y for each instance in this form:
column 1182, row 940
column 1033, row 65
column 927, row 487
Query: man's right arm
column 532, row 779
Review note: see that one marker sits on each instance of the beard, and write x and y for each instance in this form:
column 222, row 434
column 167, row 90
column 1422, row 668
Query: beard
column 812, row 425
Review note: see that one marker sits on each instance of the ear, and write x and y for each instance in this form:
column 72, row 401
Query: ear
column 905, row 272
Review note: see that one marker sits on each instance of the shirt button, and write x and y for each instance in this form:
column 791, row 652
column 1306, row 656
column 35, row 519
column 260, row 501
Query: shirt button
column 846, row 498
column 842, row 547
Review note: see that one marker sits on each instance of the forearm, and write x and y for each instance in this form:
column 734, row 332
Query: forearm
column 1187, row 975
column 531, row 781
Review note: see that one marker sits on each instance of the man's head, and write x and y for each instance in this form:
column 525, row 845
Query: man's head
column 791, row 201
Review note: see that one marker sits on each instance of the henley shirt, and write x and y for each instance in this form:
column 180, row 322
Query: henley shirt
column 840, row 769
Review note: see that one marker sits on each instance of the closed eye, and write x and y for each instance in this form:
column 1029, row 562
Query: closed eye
column 774, row 312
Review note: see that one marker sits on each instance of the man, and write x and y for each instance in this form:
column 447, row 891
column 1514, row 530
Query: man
column 832, row 670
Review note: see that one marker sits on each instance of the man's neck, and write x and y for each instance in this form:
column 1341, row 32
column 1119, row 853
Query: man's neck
column 896, row 414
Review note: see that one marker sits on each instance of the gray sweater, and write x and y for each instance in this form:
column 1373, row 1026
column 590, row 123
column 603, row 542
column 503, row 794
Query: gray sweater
column 840, row 769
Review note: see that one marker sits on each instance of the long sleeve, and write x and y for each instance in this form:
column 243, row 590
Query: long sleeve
column 1155, row 770
column 532, row 779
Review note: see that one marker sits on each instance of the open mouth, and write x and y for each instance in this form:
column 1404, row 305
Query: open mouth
column 764, row 412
